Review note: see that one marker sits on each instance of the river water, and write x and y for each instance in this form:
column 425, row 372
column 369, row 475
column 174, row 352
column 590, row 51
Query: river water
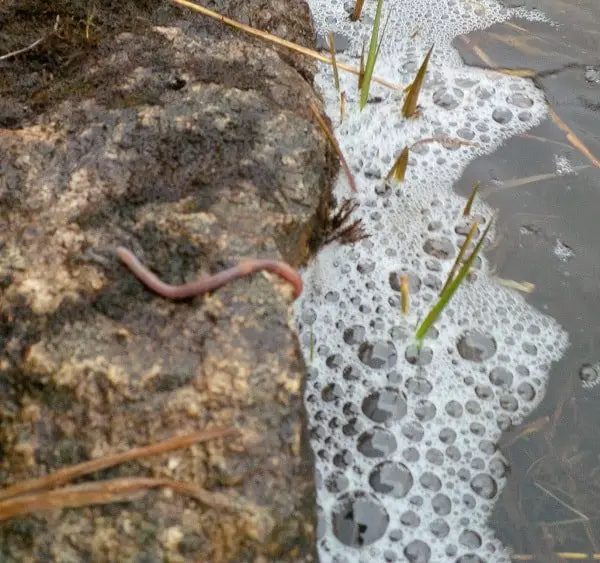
column 545, row 186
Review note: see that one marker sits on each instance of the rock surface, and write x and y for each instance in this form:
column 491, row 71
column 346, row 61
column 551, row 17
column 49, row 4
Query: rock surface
column 192, row 145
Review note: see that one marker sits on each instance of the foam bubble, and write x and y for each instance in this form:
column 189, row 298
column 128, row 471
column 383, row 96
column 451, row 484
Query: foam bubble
column 405, row 437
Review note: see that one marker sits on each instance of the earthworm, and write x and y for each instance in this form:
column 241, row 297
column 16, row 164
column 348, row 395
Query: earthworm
column 209, row 283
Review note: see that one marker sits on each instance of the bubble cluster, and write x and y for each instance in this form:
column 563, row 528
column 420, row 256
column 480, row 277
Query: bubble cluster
column 404, row 435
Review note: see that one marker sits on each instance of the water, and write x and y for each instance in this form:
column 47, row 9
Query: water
column 546, row 191
column 475, row 335
column 489, row 362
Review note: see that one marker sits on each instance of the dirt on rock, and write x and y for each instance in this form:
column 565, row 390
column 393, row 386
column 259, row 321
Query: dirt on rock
column 144, row 125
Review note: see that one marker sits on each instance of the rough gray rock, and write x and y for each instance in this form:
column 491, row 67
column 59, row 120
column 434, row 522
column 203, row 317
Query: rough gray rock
column 193, row 146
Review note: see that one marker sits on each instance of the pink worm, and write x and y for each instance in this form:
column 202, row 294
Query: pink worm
column 208, row 283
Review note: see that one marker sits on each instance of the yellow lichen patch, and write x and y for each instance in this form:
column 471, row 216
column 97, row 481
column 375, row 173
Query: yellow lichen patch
column 171, row 537
column 148, row 376
column 30, row 412
column 36, row 360
column 225, row 379
column 44, row 294
column 25, row 453
column 292, row 385
column 188, row 402
column 46, row 281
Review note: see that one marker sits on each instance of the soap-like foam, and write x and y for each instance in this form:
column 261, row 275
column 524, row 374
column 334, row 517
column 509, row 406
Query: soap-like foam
column 404, row 438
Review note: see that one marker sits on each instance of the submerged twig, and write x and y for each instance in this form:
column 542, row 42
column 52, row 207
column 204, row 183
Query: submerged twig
column 524, row 286
column 573, row 139
column 447, row 142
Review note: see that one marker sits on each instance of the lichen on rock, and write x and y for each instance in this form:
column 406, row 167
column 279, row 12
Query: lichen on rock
column 192, row 145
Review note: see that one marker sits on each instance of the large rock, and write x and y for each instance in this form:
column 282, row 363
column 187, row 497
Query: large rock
column 192, row 145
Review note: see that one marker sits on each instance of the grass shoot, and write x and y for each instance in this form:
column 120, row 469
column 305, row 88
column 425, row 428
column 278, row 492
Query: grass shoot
column 409, row 108
column 371, row 57
column 398, row 171
column 467, row 209
column 461, row 253
column 450, row 289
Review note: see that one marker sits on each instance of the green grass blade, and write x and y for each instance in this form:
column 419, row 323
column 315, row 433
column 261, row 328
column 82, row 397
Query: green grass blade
column 398, row 170
column 446, row 295
column 387, row 20
column 371, row 57
column 467, row 209
column 461, row 253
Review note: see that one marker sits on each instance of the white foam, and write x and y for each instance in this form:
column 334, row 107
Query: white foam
column 439, row 420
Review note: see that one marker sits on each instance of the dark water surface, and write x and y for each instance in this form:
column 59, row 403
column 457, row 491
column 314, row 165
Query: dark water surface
column 549, row 235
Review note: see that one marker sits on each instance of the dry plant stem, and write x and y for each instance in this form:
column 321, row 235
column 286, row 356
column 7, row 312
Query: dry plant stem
column 342, row 106
column 208, row 283
column 404, row 292
column 69, row 473
column 23, row 50
column 447, row 142
column 277, row 40
column 94, row 493
column 32, row 46
column 469, row 204
column 560, row 555
column 335, row 145
column 358, row 6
